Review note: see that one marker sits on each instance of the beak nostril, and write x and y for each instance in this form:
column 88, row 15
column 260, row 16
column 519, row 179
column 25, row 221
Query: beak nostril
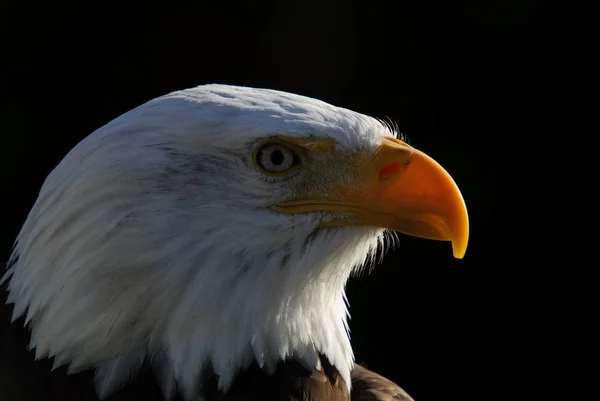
column 390, row 170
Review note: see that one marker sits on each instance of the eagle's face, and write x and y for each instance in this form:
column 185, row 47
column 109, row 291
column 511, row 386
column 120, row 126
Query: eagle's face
column 218, row 225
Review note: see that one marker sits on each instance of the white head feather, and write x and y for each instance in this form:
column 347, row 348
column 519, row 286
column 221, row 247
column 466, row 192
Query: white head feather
column 152, row 240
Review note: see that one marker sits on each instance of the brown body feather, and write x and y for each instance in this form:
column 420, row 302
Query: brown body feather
column 369, row 386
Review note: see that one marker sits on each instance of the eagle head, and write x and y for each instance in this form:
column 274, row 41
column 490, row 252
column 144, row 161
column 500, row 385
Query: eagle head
column 216, row 227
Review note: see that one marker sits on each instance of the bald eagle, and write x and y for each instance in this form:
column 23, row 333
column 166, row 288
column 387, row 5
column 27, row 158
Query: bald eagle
column 208, row 234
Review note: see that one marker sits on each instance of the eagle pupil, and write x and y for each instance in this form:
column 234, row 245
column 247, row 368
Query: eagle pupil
column 277, row 157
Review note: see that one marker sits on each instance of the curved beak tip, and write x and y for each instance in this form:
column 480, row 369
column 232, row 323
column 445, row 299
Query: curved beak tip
column 459, row 250
column 460, row 239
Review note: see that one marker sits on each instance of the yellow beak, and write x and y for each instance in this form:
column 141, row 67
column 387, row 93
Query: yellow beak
column 404, row 190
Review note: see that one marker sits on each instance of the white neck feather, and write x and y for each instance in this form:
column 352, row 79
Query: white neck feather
column 217, row 309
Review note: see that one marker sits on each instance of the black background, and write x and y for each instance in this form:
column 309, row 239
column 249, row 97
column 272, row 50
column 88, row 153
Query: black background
column 458, row 77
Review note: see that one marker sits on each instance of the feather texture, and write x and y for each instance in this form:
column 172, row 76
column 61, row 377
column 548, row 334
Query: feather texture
column 113, row 375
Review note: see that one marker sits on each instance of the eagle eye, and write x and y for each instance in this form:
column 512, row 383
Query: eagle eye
column 275, row 159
